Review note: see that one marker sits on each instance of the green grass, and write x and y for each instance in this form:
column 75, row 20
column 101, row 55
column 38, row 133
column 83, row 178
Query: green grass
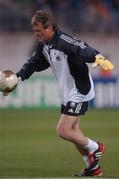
column 30, row 147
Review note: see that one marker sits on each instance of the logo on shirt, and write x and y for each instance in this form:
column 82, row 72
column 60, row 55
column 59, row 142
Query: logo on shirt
column 58, row 58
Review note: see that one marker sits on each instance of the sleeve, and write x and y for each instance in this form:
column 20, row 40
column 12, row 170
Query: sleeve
column 78, row 49
column 35, row 63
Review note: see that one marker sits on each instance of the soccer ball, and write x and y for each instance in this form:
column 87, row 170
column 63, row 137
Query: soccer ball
column 8, row 81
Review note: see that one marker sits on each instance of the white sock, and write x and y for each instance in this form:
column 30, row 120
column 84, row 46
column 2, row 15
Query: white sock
column 91, row 146
column 85, row 158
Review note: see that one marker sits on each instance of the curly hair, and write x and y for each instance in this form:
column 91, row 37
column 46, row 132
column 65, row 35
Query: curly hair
column 46, row 19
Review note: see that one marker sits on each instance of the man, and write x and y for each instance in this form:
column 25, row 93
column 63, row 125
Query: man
column 68, row 57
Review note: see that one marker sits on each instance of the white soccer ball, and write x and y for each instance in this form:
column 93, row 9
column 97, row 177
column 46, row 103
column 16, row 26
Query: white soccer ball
column 8, row 81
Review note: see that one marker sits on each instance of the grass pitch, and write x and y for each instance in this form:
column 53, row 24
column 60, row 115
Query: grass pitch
column 30, row 147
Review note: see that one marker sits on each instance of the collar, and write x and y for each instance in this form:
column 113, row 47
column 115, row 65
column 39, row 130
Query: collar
column 54, row 37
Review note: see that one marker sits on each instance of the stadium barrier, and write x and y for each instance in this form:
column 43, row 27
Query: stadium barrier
column 43, row 92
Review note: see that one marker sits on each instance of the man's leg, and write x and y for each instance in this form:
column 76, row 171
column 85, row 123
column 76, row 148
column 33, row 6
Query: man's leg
column 82, row 150
column 68, row 129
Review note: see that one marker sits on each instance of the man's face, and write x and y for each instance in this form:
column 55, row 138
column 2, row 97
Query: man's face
column 42, row 34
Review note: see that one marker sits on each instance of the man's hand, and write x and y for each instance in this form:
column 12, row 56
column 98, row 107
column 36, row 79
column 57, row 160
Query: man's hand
column 7, row 93
column 103, row 62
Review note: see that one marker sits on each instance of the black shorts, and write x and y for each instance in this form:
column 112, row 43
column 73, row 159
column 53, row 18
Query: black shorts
column 74, row 109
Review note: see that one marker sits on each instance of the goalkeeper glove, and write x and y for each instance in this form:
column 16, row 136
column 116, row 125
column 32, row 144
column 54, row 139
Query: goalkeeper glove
column 103, row 62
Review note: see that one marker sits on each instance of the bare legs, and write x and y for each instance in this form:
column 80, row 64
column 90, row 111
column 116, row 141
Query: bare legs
column 68, row 128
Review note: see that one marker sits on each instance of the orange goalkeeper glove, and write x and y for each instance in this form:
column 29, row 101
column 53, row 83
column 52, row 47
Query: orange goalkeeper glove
column 103, row 62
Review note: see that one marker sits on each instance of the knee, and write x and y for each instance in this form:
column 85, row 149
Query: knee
column 63, row 133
